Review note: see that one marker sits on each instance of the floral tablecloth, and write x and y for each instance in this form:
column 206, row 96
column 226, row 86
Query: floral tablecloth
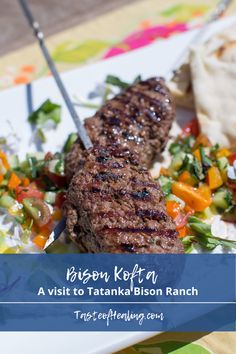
column 120, row 31
column 117, row 32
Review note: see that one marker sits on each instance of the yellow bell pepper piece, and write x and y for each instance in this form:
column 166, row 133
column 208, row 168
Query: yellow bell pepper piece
column 187, row 178
column 224, row 152
column 205, row 191
column 214, row 178
column 190, row 196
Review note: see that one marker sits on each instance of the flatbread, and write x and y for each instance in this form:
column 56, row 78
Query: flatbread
column 213, row 73
column 181, row 87
column 207, row 84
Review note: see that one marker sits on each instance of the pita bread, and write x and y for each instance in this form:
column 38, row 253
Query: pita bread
column 181, row 87
column 213, row 72
column 208, row 85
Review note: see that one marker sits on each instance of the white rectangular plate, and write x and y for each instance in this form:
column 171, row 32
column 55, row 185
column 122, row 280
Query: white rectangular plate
column 153, row 60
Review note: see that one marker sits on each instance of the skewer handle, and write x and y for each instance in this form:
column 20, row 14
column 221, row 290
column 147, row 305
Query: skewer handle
column 40, row 37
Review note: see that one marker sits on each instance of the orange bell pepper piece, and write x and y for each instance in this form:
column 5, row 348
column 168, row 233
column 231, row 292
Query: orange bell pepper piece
column 46, row 229
column 190, row 196
column 205, row 191
column 26, row 182
column 14, row 181
column 172, row 208
column 201, row 140
column 40, row 241
column 1, row 178
column 183, row 231
column 5, row 163
column 224, row 175
column 197, row 154
column 186, row 177
column 188, row 210
column 223, row 152
column 57, row 214
column 214, row 178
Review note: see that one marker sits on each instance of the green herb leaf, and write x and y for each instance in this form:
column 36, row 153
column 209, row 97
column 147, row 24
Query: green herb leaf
column 205, row 237
column 200, row 227
column 47, row 111
column 137, row 79
column 69, row 142
column 188, row 243
column 41, row 136
column 166, row 184
column 206, row 162
column 33, row 167
column 175, row 148
column 59, row 168
column 86, row 104
column 116, row 81
column 215, row 148
column 198, row 171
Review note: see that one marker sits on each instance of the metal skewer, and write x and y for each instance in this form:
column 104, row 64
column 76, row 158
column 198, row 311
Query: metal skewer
column 80, row 128
column 40, row 37
column 215, row 14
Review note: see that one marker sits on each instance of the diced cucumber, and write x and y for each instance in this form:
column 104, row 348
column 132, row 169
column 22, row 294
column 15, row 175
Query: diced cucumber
column 177, row 162
column 14, row 161
column 20, row 218
column 4, row 183
column 6, row 201
column 222, row 199
column 24, row 165
column 56, row 166
column 52, row 165
column 60, row 167
column 69, row 142
column 165, row 184
column 175, row 148
column 50, row 197
column 176, row 199
column 207, row 213
column 222, row 163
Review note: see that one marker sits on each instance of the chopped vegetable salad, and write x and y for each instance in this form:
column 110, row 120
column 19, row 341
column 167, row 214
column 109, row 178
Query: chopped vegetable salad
column 32, row 193
column 199, row 184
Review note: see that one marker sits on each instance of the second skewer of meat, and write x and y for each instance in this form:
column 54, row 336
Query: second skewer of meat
column 138, row 119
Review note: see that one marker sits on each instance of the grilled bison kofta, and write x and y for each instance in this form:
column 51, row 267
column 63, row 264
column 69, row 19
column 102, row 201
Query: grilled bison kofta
column 138, row 119
column 114, row 206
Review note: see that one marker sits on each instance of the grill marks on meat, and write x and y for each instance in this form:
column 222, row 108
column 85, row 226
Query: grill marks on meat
column 113, row 205
column 118, row 209
column 138, row 119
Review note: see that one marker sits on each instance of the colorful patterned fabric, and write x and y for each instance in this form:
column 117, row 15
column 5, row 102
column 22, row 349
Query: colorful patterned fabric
column 186, row 343
column 135, row 26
